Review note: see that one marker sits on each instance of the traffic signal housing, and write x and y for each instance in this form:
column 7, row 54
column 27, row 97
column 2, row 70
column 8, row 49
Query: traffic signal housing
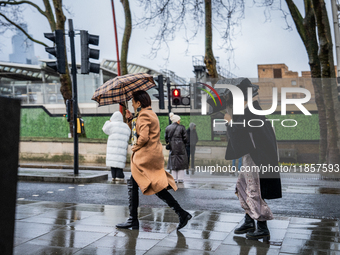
column 176, row 96
column 68, row 110
column 58, row 51
column 197, row 98
column 80, row 126
column 86, row 53
column 160, row 88
column 185, row 100
column 177, row 99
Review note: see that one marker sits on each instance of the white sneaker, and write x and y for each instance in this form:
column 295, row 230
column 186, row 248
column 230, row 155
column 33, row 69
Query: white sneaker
column 119, row 180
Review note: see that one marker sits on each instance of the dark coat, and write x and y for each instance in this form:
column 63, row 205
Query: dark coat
column 178, row 159
column 260, row 143
column 192, row 137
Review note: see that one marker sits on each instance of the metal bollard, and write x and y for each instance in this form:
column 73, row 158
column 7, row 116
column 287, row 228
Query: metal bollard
column 9, row 155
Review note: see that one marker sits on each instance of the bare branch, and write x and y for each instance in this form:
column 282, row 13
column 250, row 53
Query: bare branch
column 22, row 30
column 4, row 3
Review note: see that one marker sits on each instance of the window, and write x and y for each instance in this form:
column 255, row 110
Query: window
column 277, row 73
column 293, row 82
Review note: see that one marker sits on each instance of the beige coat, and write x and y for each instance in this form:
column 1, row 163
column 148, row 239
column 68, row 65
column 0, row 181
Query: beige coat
column 147, row 159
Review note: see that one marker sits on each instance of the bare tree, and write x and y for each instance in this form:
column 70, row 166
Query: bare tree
column 173, row 16
column 313, row 29
column 315, row 33
column 53, row 12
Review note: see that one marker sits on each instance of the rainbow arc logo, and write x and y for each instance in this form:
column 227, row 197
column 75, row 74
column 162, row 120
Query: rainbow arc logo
column 211, row 95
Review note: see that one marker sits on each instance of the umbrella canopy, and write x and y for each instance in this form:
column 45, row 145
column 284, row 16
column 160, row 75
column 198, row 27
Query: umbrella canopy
column 120, row 88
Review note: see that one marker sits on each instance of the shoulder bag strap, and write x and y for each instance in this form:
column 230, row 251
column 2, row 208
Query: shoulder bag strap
column 173, row 133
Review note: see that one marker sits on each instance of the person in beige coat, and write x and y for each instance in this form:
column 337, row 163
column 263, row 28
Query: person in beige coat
column 147, row 162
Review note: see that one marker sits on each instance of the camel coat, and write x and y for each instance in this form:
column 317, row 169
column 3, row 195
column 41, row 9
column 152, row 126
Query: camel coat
column 147, row 159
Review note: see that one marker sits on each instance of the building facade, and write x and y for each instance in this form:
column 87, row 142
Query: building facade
column 279, row 76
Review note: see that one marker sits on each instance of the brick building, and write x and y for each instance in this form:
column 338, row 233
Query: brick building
column 278, row 75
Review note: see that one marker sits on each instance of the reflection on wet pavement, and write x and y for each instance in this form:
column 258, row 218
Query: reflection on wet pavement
column 293, row 184
column 67, row 228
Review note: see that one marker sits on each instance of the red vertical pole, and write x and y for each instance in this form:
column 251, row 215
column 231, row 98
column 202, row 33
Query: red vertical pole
column 117, row 48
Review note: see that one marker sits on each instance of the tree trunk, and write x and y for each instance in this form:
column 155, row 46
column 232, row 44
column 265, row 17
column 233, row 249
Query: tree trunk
column 328, row 78
column 209, row 58
column 126, row 37
column 65, row 79
column 125, row 42
column 306, row 28
column 312, row 47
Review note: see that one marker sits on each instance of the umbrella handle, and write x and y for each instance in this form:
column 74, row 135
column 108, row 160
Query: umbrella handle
column 126, row 104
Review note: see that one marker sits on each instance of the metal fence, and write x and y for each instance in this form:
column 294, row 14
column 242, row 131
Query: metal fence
column 33, row 93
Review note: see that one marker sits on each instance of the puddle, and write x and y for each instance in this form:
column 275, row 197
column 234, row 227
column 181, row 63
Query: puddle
column 328, row 191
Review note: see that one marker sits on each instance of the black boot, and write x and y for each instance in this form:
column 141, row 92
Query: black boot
column 183, row 215
column 132, row 221
column 119, row 176
column 247, row 226
column 262, row 231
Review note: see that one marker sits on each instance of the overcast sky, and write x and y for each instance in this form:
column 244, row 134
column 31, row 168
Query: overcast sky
column 259, row 42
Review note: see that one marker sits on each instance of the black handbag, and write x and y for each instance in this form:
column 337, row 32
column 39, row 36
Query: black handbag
column 168, row 145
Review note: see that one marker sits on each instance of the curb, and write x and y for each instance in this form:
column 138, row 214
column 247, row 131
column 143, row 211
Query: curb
column 93, row 168
column 100, row 168
column 99, row 178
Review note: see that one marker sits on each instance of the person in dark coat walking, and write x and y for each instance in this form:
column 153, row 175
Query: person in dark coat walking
column 258, row 147
column 176, row 136
column 192, row 140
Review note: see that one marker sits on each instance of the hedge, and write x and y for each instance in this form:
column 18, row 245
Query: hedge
column 35, row 122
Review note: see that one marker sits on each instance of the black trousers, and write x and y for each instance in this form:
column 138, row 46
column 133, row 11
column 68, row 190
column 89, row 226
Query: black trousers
column 117, row 172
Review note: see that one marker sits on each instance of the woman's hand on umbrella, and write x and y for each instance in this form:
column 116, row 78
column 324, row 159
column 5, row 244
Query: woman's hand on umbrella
column 128, row 114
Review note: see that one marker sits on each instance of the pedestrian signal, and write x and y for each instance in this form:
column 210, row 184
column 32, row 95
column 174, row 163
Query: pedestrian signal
column 176, row 96
column 80, row 126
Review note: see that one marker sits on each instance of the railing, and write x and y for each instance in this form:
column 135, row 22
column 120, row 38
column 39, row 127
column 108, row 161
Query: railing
column 33, row 93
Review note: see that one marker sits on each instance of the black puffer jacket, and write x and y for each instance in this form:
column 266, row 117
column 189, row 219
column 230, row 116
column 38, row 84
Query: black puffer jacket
column 178, row 159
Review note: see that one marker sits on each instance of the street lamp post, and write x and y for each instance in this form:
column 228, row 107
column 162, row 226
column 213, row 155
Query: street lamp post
column 117, row 48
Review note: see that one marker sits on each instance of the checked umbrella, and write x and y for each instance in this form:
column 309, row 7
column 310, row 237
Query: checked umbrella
column 120, row 88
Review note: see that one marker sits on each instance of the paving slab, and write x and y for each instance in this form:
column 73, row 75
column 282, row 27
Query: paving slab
column 70, row 228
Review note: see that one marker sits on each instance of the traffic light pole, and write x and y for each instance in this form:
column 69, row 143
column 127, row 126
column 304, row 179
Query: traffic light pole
column 74, row 96
column 169, row 100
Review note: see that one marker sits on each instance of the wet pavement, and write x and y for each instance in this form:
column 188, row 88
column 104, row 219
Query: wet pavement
column 70, row 228
column 52, row 227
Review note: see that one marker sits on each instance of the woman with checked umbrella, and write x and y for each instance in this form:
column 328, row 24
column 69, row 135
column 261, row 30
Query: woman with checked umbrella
column 147, row 159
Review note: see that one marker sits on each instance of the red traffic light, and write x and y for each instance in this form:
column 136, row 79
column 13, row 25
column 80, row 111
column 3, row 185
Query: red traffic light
column 176, row 93
column 176, row 96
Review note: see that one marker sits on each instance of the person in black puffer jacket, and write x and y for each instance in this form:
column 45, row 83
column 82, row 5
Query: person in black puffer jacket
column 176, row 136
